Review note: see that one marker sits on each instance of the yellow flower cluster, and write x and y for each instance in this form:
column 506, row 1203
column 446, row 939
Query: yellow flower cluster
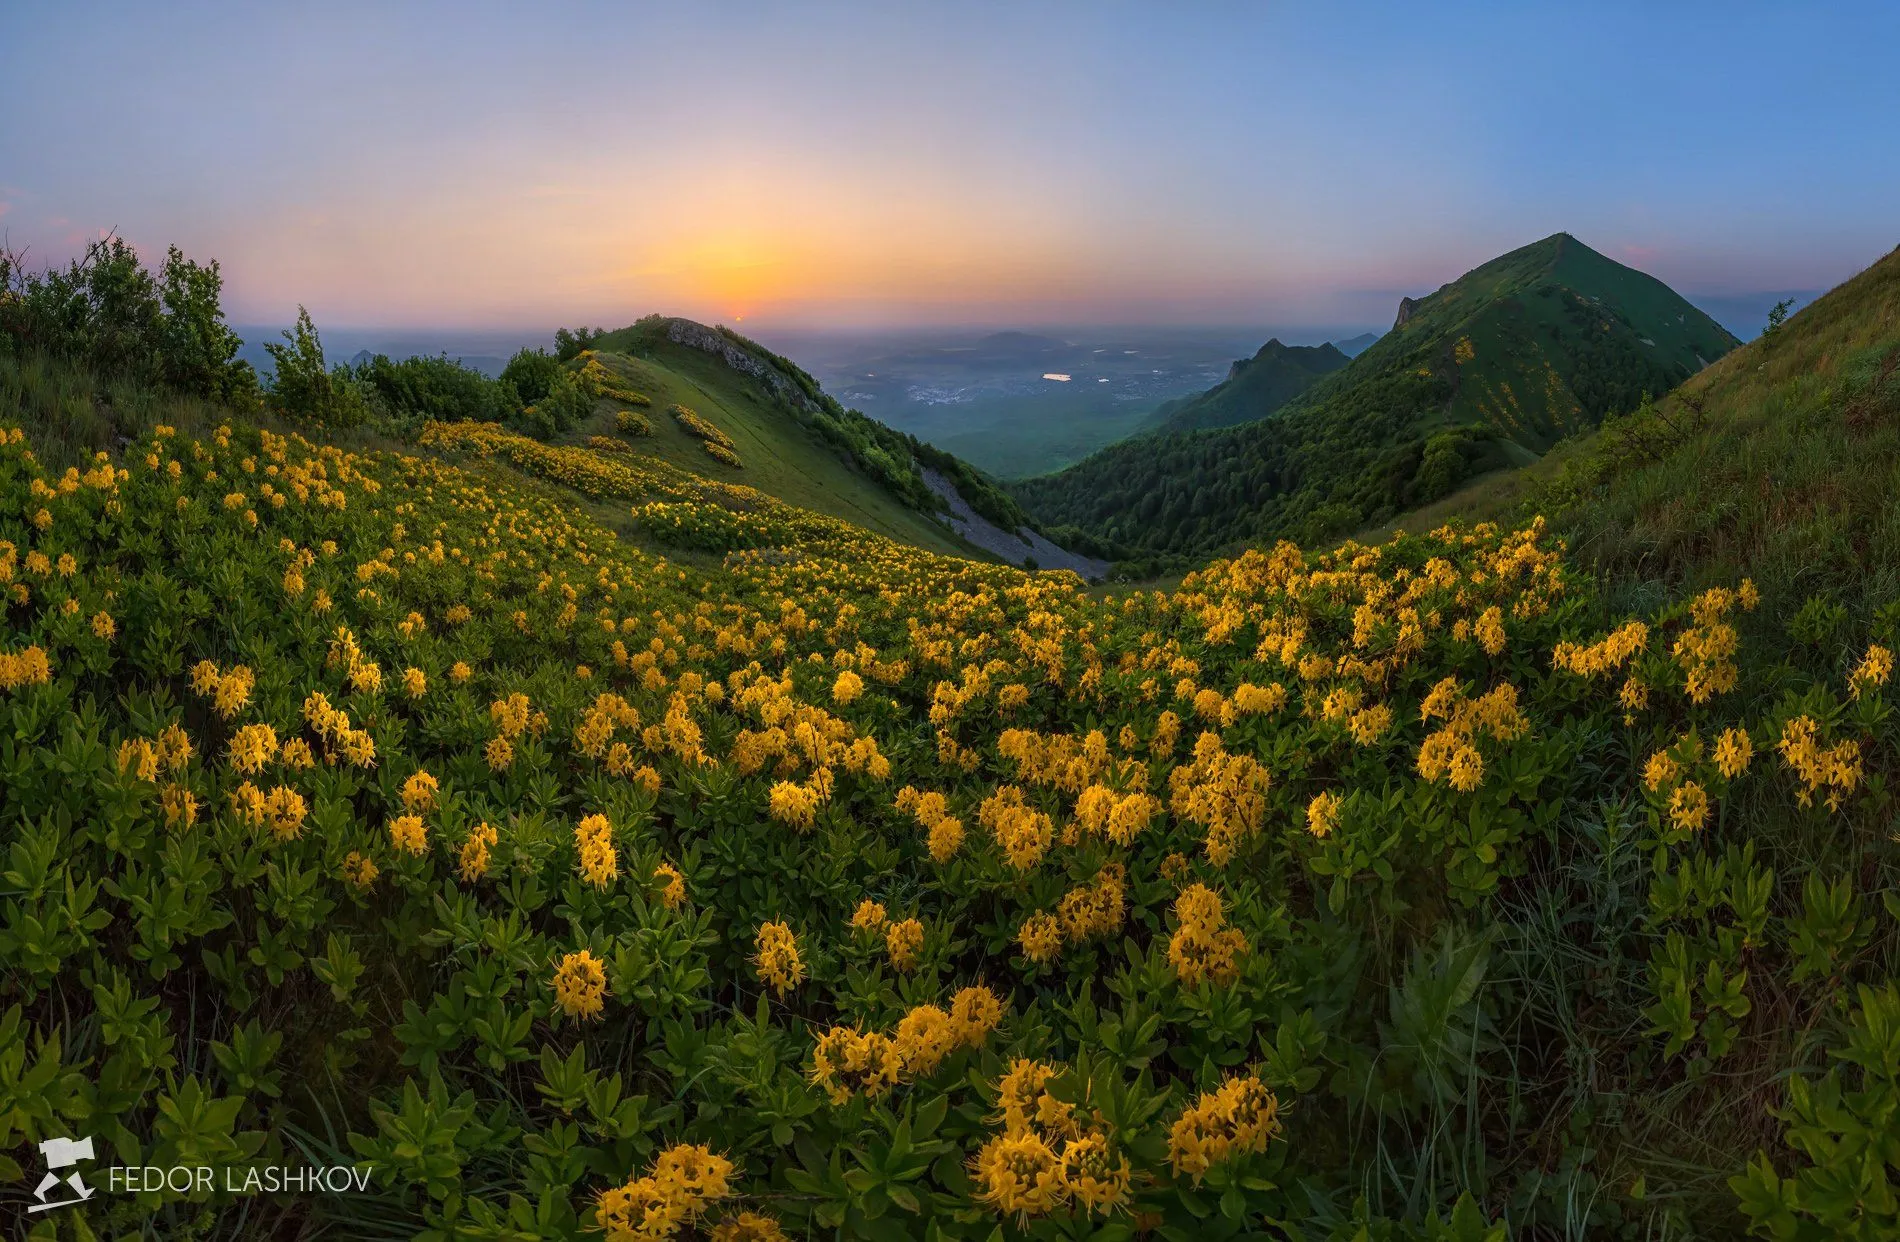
column 1240, row 1118
column 870, row 916
column 1224, row 793
column 777, row 958
column 1872, row 672
column 408, row 834
column 580, row 985
column 673, row 885
column 1451, row 754
column 747, row 1226
column 685, row 1178
column 229, row 692
column 419, row 792
column 1023, row 833
column 1095, row 909
column 1835, row 768
column 848, row 1061
column 902, row 940
column 1606, row 655
column 1119, row 817
column 1203, row 946
column 333, row 728
column 281, row 810
column 1322, row 813
column 252, row 747
column 28, row 667
column 359, row 872
column 943, row 831
column 472, row 863
column 1706, row 650
column 1046, row 1158
column 594, row 843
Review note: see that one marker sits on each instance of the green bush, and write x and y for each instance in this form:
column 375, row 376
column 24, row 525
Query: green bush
column 531, row 373
column 108, row 311
column 437, row 388
column 303, row 387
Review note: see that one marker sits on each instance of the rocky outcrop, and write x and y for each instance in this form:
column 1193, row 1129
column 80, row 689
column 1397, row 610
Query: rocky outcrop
column 1406, row 307
column 699, row 336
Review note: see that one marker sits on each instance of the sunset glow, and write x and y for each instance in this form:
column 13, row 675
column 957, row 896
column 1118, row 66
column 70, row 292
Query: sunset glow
column 858, row 165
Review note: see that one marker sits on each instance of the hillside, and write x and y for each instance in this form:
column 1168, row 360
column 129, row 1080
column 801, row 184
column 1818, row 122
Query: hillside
column 389, row 807
column 1490, row 370
column 791, row 439
column 1255, row 388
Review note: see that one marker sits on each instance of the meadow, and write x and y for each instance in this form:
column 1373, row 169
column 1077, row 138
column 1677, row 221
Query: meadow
column 597, row 845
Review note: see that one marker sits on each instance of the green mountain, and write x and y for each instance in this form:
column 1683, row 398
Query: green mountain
column 1489, row 371
column 1254, row 388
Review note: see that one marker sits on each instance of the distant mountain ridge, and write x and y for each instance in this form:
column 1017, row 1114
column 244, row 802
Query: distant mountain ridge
column 1489, row 370
column 1254, row 388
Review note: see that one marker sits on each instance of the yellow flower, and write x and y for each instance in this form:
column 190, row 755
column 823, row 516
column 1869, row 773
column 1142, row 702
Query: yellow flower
column 1872, row 671
column 472, row 864
column 1733, row 752
column 580, row 985
column 869, row 916
column 847, row 688
column 1688, row 806
column 1018, row 1174
column 1040, row 937
column 498, row 753
column 1240, row 1118
column 408, row 834
column 748, row 1227
column 673, row 889
column 103, row 625
column 415, row 683
column 593, row 841
column 777, row 958
column 359, row 872
column 902, row 941
column 1322, row 813
column 419, row 793
column 976, row 1012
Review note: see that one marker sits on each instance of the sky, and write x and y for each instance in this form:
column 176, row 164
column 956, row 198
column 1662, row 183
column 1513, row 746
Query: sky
column 813, row 165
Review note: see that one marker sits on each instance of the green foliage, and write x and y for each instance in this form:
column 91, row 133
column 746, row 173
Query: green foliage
column 1487, row 372
column 303, row 388
column 532, row 374
column 1845, row 1126
column 570, row 343
column 1777, row 315
column 107, row 310
column 418, row 388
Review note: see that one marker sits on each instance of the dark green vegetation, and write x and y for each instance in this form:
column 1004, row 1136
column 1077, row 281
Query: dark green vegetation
column 163, row 329
column 1255, row 388
column 1489, row 371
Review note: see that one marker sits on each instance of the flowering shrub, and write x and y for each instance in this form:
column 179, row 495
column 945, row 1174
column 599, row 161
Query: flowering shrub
column 389, row 806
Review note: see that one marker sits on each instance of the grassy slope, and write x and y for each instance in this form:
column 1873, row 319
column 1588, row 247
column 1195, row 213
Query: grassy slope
column 1789, row 473
column 780, row 456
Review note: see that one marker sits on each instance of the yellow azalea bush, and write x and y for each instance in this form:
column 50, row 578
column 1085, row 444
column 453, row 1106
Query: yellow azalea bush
column 808, row 884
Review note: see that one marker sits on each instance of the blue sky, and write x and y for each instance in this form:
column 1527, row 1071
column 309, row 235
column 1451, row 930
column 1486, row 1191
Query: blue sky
column 801, row 165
